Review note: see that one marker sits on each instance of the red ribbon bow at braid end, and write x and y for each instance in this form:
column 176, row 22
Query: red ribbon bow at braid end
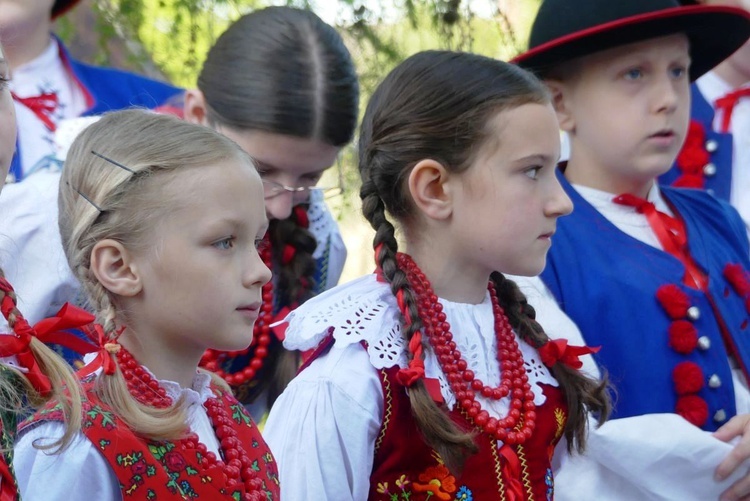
column 49, row 330
column 558, row 350
column 105, row 350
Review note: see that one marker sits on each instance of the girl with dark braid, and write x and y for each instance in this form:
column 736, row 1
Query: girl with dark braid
column 431, row 379
column 281, row 84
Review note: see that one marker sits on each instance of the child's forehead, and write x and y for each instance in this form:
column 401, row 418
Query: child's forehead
column 674, row 46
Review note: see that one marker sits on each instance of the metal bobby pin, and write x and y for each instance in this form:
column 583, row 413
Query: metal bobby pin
column 118, row 164
column 85, row 198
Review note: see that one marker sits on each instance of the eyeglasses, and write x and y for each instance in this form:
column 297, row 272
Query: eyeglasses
column 272, row 189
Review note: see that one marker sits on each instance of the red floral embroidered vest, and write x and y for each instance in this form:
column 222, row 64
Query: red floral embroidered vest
column 164, row 470
column 406, row 468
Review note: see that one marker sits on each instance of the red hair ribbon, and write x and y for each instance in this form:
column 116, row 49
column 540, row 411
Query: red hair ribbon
column 415, row 371
column 558, row 350
column 288, row 254
column 301, row 215
column 49, row 330
column 104, row 351
column 511, row 471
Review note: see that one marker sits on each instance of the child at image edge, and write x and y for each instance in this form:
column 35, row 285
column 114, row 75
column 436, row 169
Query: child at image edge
column 160, row 220
column 431, row 379
column 656, row 276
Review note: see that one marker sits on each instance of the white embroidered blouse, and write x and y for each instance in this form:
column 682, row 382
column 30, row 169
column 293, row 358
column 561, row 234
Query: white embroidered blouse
column 322, row 429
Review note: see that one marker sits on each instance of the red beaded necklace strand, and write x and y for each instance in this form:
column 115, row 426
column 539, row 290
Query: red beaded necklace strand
column 237, row 465
column 213, row 359
column 518, row 425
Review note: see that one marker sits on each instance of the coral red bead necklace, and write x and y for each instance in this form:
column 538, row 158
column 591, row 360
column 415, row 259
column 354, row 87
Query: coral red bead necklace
column 237, row 465
column 213, row 359
column 518, row 425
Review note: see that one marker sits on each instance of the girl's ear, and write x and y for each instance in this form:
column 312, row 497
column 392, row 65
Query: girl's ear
column 561, row 103
column 430, row 189
column 194, row 109
column 114, row 268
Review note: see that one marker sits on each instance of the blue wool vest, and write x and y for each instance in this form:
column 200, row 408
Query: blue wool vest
column 717, row 173
column 606, row 281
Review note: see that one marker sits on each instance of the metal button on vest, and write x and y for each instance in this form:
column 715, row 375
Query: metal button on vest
column 694, row 313
column 712, row 145
column 720, row 416
column 709, row 170
column 714, row 381
column 704, row 343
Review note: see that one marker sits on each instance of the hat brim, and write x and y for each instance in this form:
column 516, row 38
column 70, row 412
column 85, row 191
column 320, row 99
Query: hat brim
column 62, row 6
column 714, row 32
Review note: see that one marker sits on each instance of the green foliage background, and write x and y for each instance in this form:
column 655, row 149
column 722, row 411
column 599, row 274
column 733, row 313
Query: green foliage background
column 170, row 38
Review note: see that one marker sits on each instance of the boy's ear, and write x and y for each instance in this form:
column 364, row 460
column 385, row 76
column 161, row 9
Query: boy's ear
column 430, row 189
column 561, row 103
column 194, row 108
column 114, row 268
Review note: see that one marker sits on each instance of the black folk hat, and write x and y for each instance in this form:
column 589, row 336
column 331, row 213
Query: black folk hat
column 61, row 6
column 567, row 29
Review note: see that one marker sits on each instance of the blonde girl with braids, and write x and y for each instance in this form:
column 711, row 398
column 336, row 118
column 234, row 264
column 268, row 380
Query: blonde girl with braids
column 161, row 221
column 431, row 379
column 30, row 373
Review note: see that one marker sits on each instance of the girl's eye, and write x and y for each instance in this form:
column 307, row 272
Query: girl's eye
column 633, row 74
column 224, row 243
column 533, row 173
column 3, row 82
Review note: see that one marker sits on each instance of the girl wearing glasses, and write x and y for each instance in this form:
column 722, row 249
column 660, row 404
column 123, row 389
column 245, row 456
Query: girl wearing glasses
column 282, row 85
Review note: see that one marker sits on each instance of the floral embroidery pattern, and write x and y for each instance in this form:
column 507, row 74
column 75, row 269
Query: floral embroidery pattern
column 436, row 483
column 549, row 482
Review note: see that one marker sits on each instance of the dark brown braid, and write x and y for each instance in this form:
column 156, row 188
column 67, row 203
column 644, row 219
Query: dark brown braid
column 295, row 282
column 439, row 430
column 583, row 394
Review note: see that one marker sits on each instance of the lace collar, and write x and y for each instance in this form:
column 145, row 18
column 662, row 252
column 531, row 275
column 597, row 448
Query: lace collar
column 366, row 310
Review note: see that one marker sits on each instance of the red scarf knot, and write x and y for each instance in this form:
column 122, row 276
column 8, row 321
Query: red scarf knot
column 415, row 371
column 558, row 350
column 727, row 104
column 42, row 106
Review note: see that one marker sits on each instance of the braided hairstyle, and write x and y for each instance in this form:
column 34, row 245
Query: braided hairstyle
column 437, row 105
column 282, row 70
column 65, row 387
column 99, row 200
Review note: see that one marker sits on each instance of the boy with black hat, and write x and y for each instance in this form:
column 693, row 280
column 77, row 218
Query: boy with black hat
column 49, row 86
column 658, row 278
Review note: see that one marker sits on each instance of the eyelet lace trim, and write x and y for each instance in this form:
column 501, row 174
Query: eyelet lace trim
column 365, row 310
